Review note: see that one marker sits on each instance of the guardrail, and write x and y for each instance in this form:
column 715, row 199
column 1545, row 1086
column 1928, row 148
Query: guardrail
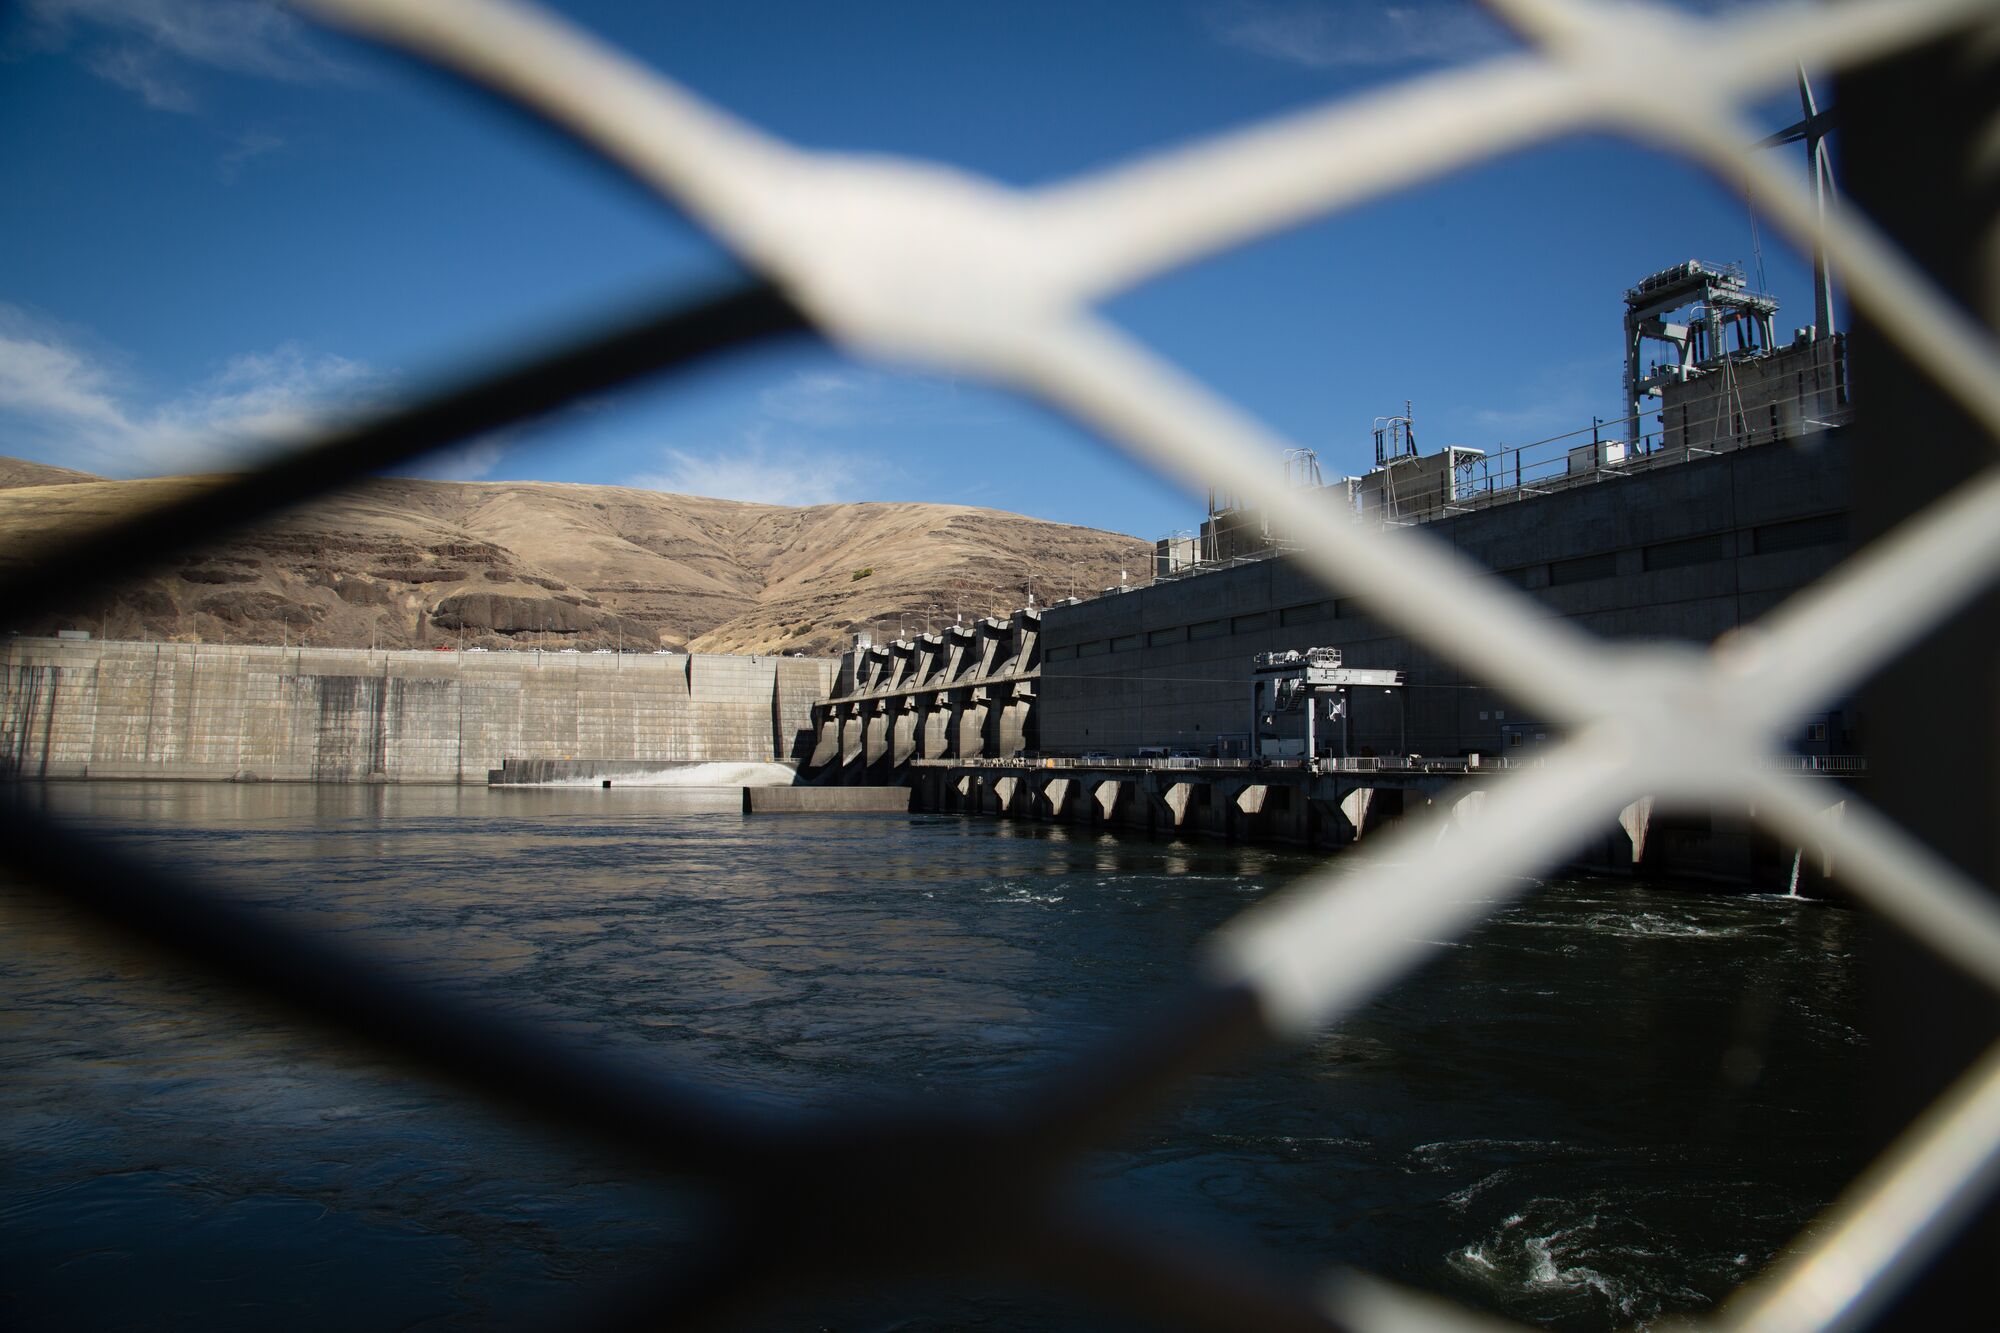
column 1526, row 472
column 1416, row 763
column 1116, row 763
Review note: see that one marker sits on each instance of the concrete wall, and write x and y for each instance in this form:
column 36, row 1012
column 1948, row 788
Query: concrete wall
column 172, row 710
column 1685, row 552
column 1772, row 397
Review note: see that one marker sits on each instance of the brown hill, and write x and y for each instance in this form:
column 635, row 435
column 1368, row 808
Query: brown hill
column 20, row 472
column 494, row 564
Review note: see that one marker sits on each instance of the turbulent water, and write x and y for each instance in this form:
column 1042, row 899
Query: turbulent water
column 694, row 775
column 1609, row 1103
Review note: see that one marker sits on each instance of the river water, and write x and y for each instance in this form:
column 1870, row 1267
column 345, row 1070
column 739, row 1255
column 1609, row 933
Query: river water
column 1609, row 1103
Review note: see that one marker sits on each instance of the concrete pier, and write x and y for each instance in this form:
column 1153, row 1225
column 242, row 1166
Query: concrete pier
column 1283, row 802
column 1337, row 804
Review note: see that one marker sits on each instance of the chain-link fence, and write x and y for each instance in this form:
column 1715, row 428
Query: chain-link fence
column 926, row 265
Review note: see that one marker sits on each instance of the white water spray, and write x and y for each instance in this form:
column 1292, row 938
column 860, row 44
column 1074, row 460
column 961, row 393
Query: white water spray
column 690, row 775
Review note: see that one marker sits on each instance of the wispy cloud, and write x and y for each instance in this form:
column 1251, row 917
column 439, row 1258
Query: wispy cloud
column 1553, row 401
column 68, row 403
column 763, row 472
column 1329, row 35
column 145, row 73
column 817, row 437
column 43, row 375
column 248, row 148
column 148, row 46
column 822, row 399
column 1336, row 34
column 470, row 461
column 1339, row 34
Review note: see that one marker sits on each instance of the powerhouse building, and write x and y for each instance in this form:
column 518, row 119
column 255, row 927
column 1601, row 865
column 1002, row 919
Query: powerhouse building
column 1686, row 551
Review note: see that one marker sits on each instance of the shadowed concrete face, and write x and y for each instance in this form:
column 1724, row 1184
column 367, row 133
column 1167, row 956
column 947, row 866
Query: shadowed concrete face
column 826, row 744
column 935, row 732
column 972, row 730
column 1683, row 552
column 1012, row 729
column 874, row 739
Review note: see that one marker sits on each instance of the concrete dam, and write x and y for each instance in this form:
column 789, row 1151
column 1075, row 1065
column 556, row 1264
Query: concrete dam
column 89, row 709
column 1685, row 552
column 1686, row 533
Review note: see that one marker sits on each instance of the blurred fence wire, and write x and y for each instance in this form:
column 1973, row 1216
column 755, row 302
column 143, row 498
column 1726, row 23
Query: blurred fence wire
column 924, row 264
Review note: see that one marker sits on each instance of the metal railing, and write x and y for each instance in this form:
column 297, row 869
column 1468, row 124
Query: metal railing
column 1132, row 763
column 1845, row 764
column 922, row 264
column 1525, row 472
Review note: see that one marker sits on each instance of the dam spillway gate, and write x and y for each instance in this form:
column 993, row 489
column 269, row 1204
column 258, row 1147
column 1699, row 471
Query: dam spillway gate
column 969, row 691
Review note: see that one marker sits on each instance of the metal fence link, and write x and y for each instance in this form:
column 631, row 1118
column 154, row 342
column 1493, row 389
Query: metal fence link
column 920, row 263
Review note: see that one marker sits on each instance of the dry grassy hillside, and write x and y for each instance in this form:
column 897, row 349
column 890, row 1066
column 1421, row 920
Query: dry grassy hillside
column 20, row 472
column 497, row 564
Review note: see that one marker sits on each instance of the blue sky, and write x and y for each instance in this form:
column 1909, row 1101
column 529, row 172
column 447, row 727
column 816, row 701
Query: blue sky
column 221, row 222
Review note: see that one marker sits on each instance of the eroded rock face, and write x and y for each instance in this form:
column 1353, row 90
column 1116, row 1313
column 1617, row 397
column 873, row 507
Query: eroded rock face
column 419, row 574
column 249, row 608
column 361, row 592
column 398, row 564
column 512, row 615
